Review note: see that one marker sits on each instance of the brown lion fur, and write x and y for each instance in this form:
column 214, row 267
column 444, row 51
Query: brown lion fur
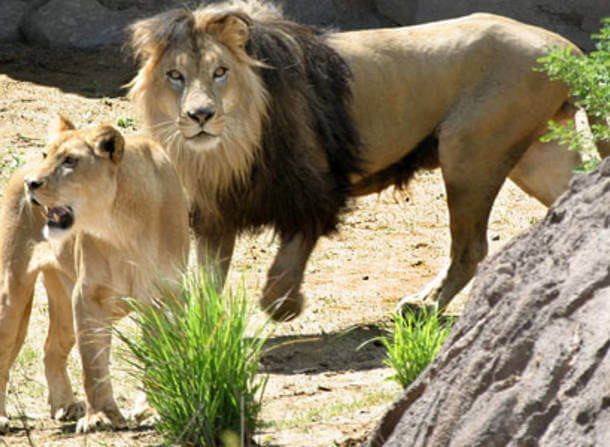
column 273, row 123
column 295, row 167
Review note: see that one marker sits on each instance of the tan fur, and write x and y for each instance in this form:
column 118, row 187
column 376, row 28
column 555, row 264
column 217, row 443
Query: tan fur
column 238, row 120
column 467, row 82
column 130, row 227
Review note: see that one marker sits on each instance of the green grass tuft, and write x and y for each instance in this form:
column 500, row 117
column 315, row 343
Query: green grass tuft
column 197, row 364
column 415, row 341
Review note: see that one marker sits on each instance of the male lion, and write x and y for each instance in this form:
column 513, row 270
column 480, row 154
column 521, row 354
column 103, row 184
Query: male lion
column 114, row 216
column 273, row 123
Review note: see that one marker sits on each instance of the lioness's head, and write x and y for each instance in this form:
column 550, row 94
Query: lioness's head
column 197, row 89
column 76, row 180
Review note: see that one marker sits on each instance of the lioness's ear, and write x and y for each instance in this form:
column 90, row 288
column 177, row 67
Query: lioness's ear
column 108, row 142
column 64, row 124
column 150, row 37
column 61, row 124
column 231, row 29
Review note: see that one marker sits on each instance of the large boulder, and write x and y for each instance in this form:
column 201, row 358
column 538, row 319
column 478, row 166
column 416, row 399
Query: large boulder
column 528, row 363
column 75, row 24
column 85, row 23
column 11, row 13
column 574, row 19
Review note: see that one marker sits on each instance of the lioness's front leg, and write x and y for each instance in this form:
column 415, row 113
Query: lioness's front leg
column 93, row 318
column 282, row 298
column 59, row 343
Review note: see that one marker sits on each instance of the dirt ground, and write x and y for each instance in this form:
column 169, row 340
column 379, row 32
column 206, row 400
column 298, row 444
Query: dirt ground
column 322, row 390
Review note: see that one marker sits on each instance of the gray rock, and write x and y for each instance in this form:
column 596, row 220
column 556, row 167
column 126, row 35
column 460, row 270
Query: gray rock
column 76, row 24
column 528, row 364
column 343, row 15
column 11, row 12
column 401, row 12
column 55, row 22
column 574, row 19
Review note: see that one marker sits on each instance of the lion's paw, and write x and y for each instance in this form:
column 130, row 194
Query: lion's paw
column 285, row 308
column 5, row 426
column 99, row 421
column 142, row 411
column 415, row 304
column 70, row 412
column 143, row 415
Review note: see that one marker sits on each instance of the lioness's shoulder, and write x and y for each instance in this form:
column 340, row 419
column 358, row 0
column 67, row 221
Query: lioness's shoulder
column 145, row 156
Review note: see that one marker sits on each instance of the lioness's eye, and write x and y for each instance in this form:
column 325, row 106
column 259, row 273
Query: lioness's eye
column 174, row 76
column 44, row 155
column 69, row 161
column 220, row 72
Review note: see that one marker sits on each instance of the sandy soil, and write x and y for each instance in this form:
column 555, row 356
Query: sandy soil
column 322, row 390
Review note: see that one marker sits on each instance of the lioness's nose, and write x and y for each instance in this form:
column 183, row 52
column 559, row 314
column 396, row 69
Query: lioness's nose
column 32, row 183
column 201, row 115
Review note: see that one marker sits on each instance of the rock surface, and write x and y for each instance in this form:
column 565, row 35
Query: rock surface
column 528, row 363
column 11, row 13
column 86, row 23
column 76, row 24
column 573, row 19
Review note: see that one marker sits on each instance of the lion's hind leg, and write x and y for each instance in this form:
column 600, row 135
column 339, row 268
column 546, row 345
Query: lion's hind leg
column 545, row 170
column 474, row 170
column 17, row 279
column 15, row 309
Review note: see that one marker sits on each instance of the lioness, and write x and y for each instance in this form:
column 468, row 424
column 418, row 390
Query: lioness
column 114, row 217
column 273, row 123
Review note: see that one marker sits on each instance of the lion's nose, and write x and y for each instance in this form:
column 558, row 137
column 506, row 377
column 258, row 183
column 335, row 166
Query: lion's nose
column 201, row 115
column 32, row 183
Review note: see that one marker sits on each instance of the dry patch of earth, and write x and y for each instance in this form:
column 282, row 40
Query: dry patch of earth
column 322, row 389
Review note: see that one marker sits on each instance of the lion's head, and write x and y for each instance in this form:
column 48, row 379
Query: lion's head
column 253, row 109
column 199, row 93
column 77, row 179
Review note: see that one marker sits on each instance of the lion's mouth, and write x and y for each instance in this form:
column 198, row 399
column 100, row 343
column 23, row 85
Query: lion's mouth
column 197, row 133
column 61, row 217
column 202, row 134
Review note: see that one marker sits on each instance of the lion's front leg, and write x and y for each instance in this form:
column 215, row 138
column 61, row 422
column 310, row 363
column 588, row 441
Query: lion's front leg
column 282, row 298
column 93, row 319
column 214, row 248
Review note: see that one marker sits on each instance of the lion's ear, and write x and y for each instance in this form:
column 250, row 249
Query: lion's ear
column 61, row 124
column 231, row 29
column 108, row 142
column 150, row 37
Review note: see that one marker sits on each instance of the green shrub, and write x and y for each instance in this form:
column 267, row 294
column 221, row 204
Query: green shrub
column 415, row 341
column 198, row 366
column 588, row 78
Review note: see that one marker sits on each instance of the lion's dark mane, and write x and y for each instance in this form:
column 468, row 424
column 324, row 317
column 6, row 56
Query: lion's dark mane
column 308, row 85
column 309, row 90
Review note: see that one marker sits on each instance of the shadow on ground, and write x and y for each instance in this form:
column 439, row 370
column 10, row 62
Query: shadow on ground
column 93, row 73
column 349, row 350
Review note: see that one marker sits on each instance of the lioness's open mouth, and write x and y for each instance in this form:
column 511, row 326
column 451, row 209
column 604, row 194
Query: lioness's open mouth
column 61, row 217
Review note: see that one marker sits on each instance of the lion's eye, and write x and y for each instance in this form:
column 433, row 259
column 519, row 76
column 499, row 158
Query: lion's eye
column 220, row 72
column 174, row 76
column 44, row 155
column 69, row 161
